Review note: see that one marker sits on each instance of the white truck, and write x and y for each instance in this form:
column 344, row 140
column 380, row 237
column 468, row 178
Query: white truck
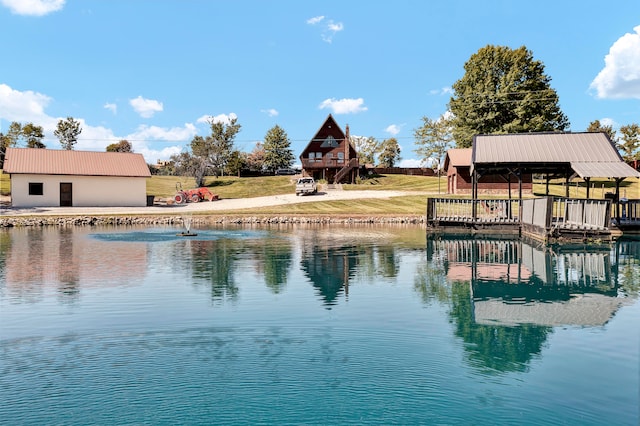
column 306, row 185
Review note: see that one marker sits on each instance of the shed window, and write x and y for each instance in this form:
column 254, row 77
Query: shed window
column 36, row 188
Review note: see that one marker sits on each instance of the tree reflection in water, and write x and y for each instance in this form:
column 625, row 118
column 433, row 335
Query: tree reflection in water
column 504, row 276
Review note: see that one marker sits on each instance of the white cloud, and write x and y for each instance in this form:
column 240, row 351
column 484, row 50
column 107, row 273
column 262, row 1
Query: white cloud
column 411, row 162
column 394, row 129
column 111, row 107
column 315, row 20
column 25, row 106
column 608, row 122
column 220, row 118
column 271, row 112
column 620, row 77
column 329, row 28
column 33, row 7
column 344, row 106
column 442, row 91
column 146, row 108
column 145, row 132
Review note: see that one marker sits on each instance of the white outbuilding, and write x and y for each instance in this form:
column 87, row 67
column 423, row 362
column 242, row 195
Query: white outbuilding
column 68, row 178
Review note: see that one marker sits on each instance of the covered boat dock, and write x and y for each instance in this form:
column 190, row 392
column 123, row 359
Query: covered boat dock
column 552, row 155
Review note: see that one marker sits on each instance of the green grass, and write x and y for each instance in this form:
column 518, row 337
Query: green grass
column 5, row 184
column 400, row 183
column 224, row 187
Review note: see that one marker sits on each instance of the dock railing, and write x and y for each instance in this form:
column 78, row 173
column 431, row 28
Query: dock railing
column 462, row 210
column 581, row 213
column 544, row 214
column 629, row 212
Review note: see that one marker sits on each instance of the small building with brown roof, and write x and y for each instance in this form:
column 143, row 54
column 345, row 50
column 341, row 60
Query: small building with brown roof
column 457, row 164
column 67, row 178
column 330, row 155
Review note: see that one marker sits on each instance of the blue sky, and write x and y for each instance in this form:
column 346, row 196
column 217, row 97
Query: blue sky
column 153, row 71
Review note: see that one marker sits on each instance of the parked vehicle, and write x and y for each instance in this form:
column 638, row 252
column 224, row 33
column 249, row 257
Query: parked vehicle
column 306, row 185
column 286, row 172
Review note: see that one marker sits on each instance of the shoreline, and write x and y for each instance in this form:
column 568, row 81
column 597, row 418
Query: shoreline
column 208, row 219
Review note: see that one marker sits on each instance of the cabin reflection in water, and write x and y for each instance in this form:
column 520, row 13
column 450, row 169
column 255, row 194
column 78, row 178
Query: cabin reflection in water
column 514, row 282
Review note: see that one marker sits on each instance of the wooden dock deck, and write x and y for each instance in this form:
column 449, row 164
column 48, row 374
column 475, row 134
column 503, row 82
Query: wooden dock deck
column 547, row 219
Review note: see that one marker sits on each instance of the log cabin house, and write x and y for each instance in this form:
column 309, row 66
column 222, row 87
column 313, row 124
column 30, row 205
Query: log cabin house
column 330, row 156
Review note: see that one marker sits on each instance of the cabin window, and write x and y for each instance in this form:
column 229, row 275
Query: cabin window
column 341, row 157
column 318, row 157
column 312, row 156
column 36, row 188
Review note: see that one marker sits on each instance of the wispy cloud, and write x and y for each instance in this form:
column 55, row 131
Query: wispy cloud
column 329, row 27
column 394, row 129
column 111, row 107
column 343, row 106
column 271, row 112
column 441, row 91
column 315, row 20
column 620, row 77
column 146, row 108
column 33, row 7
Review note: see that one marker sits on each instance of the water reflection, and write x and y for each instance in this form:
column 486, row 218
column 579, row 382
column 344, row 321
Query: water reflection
column 506, row 296
column 37, row 260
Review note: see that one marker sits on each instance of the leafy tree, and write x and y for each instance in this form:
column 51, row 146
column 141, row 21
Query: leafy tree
column 122, row 146
column 9, row 139
column 433, row 139
column 389, row 152
column 255, row 159
column 596, row 127
column 277, row 149
column 216, row 148
column 33, row 135
column 187, row 164
column 629, row 141
column 367, row 148
column 67, row 132
column 237, row 162
column 504, row 91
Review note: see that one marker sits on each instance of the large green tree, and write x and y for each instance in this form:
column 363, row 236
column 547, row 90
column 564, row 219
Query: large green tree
column 595, row 127
column 367, row 148
column 122, row 146
column 504, row 90
column 217, row 148
column 67, row 132
column 433, row 139
column 277, row 149
column 389, row 152
column 629, row 143
column 33, row 135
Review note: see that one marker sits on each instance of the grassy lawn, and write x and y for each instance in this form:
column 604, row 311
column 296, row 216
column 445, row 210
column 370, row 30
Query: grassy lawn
column 5, row 184
column 224, row 187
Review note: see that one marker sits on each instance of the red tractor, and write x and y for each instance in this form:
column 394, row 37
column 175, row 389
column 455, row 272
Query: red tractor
column 193, row 195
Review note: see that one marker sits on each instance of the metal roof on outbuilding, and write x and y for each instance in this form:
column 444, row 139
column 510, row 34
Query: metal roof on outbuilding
column 70, row 162
column 588, row 154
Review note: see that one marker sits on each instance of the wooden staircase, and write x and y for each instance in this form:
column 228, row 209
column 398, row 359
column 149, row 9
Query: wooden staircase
column 353, row 163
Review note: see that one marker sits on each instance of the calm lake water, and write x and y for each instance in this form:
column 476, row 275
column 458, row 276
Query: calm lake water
column 314, row 325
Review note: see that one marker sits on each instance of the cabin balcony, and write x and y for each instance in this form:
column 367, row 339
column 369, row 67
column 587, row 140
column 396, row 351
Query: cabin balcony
column 324, row 163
